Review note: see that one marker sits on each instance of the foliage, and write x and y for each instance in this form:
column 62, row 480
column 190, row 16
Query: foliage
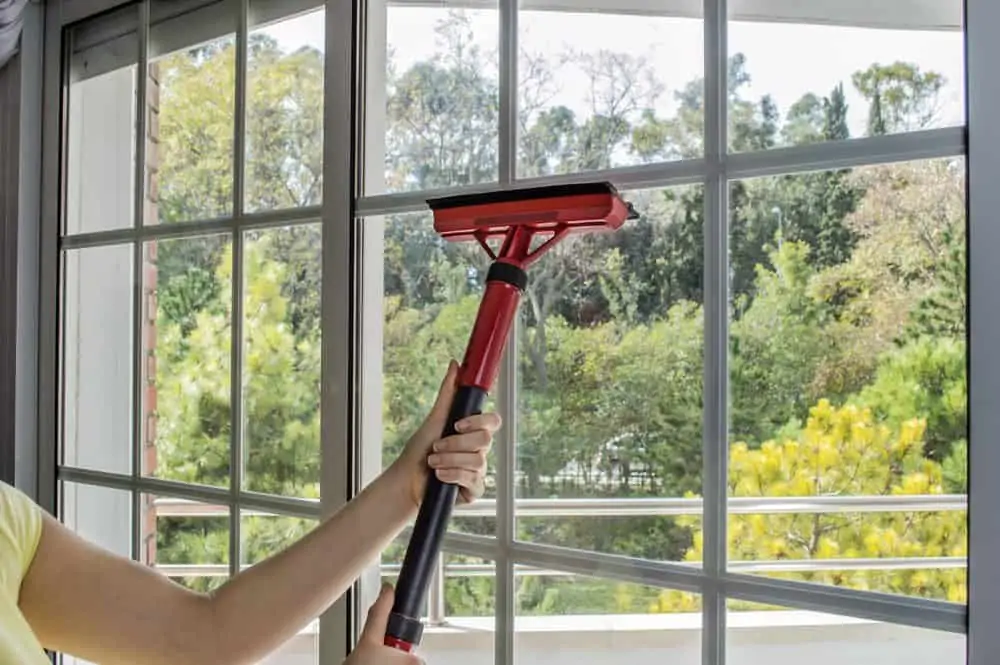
column 846, row 359
column 900, row 96
column 846, row 451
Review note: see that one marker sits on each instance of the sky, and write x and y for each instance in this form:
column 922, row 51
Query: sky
column 783, row 60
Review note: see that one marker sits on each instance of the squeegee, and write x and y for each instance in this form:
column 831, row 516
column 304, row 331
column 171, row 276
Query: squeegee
column 518, row 218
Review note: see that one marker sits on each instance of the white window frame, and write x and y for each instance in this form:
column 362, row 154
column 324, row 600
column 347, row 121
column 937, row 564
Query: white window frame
column 352, row 292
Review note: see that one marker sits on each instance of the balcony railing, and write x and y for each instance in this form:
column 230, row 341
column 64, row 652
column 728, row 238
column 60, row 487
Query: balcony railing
column 635, row 507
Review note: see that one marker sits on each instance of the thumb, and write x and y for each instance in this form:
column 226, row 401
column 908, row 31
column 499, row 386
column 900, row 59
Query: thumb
column 378, row 617
column 446, row 394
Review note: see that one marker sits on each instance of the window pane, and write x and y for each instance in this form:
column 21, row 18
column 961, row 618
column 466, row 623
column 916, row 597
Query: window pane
column 566, row 619
column 433, row 96
column 187, row 541
column 284, row 140
column 460, row 608
column 432, row 290
column 263, row 536
column 99, row 514
column 100, row 147
column 857, row 70
column 757, row 634
column 97, row 358
column 187, row 341
column 587, row 101
column 610, row 385
column 848, row 376
column 281, row 360
column 190, row 102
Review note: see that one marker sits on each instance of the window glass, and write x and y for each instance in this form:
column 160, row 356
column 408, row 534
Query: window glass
column 599, row 89
column 848, row 376
column 610, row 386
column 857, row 70
column 433, row 99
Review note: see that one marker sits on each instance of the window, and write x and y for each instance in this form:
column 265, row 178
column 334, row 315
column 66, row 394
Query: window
column 736, row 430
column 191, row 296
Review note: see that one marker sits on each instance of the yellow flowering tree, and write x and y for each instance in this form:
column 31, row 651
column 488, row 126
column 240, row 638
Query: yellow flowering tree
column 842, row 451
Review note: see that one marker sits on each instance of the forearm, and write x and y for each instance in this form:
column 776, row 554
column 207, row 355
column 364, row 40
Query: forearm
column 263, row 607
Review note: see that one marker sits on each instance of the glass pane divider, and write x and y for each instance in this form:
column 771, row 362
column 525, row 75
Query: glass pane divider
column 666, row 574
column 867, row 151
column 856, row 603
column 507, row 131
column 269, row 504
column 138, row 281
column 506, row 472
column 924, row 144
column 715, row 285
column 236, row 327
column 248, row 222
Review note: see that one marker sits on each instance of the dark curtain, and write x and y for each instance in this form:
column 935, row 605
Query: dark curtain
column 10, row 28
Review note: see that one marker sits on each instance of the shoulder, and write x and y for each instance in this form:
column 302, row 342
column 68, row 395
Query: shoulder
column 20, row 531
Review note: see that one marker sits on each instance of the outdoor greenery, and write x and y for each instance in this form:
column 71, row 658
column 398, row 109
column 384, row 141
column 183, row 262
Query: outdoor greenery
column 847, row 352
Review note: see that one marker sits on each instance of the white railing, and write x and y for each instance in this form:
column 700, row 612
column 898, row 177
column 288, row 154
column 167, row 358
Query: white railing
column 652, row 506
column 634, row 507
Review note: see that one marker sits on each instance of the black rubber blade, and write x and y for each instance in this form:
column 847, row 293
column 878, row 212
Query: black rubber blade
column 522, row 194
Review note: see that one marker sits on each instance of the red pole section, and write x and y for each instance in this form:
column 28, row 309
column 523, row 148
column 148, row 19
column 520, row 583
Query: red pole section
column 489, row 335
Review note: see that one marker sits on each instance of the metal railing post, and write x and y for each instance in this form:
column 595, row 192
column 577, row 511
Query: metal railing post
column 436, row 599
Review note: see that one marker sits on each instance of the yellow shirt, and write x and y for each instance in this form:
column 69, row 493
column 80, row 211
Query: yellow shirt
column 20, row 531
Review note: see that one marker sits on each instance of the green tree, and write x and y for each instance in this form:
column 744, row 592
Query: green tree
column 900, row 96
column 847, row 286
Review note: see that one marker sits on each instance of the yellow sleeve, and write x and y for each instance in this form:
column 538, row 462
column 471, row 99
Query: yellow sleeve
column 20, row 531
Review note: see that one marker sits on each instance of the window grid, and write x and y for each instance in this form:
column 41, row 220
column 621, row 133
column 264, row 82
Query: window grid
column 716, row 171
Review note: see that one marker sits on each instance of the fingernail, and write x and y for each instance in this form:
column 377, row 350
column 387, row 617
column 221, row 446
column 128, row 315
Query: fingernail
column 434, row 460
column 461, row 426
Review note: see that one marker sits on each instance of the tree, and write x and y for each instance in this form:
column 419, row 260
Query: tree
column 845, row 451
column 442, row 115
column 281, row 398
column 900, row 97
column 804, row 121
column 847, row 286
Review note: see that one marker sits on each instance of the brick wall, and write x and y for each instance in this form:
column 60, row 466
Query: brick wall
column 149, row 276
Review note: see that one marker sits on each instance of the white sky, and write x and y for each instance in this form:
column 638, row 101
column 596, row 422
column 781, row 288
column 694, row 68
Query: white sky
column 784, row 60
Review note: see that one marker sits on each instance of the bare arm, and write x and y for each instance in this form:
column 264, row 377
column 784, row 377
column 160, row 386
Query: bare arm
column 86, row 602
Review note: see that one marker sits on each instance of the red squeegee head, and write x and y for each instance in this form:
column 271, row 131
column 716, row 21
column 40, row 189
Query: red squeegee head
column 519, row 215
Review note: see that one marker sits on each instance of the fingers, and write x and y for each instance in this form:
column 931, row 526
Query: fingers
column 475, row 462
column 378, row 617
column 487, row 421
column 465, row 443
column 472, row 482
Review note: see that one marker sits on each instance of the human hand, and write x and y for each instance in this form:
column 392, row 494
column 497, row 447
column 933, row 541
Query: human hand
column 459, row 459
column 370, row 649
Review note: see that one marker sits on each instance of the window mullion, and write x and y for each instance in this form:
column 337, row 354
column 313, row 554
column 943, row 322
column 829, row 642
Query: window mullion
column 983, row 361
column 715, row 389
column 507, row 384
column 506, row 473
column 236, row 329
column 507, row 129
column 339, row 274
column 138, row 283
